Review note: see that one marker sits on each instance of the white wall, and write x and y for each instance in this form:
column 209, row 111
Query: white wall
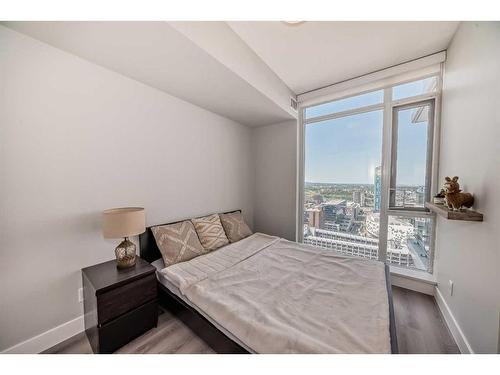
column 275, row 179
column 468, row 253
column 75, row 139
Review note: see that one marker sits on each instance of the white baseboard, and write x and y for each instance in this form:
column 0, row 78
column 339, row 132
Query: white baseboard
column 451, row 322
column 48, row 339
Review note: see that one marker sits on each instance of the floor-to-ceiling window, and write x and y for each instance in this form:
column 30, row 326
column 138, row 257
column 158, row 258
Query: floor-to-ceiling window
column 343, row 155
column 367, row 172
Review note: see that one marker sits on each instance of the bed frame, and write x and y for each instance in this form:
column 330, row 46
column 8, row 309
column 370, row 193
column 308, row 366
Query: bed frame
column 208, row 332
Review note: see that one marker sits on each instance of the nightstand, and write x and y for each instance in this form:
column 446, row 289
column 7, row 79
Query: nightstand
column 119, row 304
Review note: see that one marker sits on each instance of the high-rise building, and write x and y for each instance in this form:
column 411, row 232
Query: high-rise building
column 332, row 211
column 352, row 210
column 356, row 196
column 314, row 217
column 420, row 196
column 378, row 188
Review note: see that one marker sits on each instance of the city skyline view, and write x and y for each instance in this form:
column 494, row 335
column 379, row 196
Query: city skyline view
column 345, row 218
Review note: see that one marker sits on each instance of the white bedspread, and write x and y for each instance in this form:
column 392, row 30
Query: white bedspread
column 278, row 296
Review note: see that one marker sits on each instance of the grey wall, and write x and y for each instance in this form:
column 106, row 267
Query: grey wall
column 75, row 139
column 468, row 253
column 275, row 179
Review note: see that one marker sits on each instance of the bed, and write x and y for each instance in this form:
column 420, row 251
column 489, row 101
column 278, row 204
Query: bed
column 264, row 294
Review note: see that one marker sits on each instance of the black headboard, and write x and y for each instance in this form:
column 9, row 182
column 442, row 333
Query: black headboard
column 147, row 244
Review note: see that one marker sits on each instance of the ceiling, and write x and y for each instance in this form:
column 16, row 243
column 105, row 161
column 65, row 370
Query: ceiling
column 158, row 55
column 310, row 55
column 245, row 71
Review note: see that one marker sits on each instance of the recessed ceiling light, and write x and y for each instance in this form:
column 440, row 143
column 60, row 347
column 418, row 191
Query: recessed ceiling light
column 293, row 23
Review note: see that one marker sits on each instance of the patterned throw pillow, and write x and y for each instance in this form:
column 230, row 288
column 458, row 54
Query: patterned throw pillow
column 235, row 226
column 210, row 232
column 177, row 242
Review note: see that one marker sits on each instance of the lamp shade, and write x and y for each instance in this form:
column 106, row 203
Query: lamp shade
column 123, row 222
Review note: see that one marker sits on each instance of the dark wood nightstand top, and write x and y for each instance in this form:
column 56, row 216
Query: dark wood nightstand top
column 106, row 276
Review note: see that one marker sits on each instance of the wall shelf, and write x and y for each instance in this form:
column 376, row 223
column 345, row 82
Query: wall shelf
column 465, row 214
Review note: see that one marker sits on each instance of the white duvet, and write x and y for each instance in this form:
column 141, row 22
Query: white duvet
column 278, row 296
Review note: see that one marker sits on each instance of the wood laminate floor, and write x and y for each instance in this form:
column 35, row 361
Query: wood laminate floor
column 419, row 325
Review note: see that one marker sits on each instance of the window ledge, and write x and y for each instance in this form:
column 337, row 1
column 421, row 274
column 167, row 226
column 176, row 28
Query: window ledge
column 416, row 275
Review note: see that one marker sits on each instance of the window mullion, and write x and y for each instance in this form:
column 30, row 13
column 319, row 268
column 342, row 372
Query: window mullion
column 299, row 234
column 350, row 112
column 386, row 168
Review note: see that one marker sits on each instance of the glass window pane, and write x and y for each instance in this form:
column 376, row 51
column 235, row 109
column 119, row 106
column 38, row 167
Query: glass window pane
column 414, row 88
column 353, row 102
column 409, row 160
column 342, row 167
column 408, row 242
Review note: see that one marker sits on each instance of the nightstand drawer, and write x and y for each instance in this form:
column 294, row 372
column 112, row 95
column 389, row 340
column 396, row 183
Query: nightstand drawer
column 120, row 331
column 120, row 300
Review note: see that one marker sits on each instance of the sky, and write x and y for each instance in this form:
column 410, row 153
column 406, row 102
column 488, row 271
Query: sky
column 348, row 149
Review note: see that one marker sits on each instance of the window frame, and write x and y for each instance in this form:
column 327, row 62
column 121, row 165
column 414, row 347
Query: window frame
column 348, row 112
column 389, row 106
column 394, row 152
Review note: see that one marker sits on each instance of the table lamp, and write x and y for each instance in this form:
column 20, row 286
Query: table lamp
column 124, row 222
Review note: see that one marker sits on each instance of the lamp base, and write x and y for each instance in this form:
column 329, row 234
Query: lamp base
column 125, row 254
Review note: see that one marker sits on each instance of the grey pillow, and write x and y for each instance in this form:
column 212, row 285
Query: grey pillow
column 177, row 242
column 235, row 226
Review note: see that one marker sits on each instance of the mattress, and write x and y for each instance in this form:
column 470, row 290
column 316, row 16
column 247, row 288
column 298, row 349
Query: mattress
column 160, row 265
column 271, row 295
